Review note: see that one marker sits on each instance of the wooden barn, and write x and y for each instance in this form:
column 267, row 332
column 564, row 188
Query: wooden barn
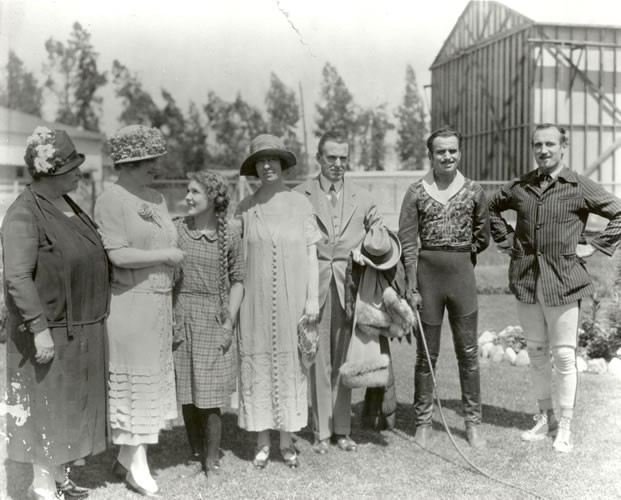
column 499, row 73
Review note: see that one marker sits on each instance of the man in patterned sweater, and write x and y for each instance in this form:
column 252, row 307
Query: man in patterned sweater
column 547, row 273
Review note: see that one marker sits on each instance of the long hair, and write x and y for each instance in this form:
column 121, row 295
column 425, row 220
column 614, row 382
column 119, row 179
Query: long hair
column 217, row 191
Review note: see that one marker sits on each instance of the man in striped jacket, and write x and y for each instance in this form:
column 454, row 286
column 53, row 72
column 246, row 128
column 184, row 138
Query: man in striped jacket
column 547, row 273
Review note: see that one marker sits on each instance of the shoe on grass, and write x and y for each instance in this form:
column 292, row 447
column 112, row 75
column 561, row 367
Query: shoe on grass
column 562, row 443
column 546, row 425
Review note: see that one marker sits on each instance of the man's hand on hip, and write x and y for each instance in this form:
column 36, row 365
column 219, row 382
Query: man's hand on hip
column 585, row 251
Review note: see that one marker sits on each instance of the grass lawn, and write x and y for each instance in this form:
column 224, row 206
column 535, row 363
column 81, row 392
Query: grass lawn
column 388, row 464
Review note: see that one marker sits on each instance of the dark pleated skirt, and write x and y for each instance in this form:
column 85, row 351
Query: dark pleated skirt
column 57, row 411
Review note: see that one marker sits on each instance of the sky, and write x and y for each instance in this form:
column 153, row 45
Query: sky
column 190, row 47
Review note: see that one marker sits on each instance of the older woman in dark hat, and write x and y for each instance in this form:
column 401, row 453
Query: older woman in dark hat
column 141, row 242
column 57, row 294
column 281, row 286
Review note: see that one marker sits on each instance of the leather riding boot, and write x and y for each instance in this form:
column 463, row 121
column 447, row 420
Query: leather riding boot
column 423, row 381
column 464, row 330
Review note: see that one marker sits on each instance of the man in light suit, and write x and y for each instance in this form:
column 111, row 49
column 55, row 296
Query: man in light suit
column 344, row 212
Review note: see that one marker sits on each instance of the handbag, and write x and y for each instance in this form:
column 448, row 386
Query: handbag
column 308, row 340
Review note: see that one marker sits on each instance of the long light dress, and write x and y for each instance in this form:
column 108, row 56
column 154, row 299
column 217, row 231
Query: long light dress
column 272, row 379
column 141, row 383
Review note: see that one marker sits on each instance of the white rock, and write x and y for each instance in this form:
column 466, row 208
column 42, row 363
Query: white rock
column 506, row 332
column 581, row 364
column 522, row 358
column 497, row 354
column 486, row 336
column 510, row 355
column 614, row 367
column 597, row 365
column 485, row 350
column 619, row 352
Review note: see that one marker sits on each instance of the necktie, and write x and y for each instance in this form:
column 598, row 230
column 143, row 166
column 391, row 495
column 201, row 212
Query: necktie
column 544, row 180
column 333, row 196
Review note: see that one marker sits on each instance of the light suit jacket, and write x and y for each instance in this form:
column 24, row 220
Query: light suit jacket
column 359, row 215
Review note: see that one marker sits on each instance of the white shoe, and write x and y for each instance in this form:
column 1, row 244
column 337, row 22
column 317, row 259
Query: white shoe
column 43, row 494
column 542, row 428
column 562, row 443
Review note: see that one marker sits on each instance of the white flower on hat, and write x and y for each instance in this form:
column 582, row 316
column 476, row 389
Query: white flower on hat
column 39, row 136
column 42, row 150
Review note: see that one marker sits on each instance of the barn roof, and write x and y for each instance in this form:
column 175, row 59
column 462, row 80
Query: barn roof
column 486, row 20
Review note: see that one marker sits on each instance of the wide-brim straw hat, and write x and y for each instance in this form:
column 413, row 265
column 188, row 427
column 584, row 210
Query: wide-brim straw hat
column 266, row 146
column 381, row 249
column 136, row 143
column 62, row 157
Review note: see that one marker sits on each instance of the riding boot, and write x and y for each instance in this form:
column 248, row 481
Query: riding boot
column 464, row 330
column 423, row 381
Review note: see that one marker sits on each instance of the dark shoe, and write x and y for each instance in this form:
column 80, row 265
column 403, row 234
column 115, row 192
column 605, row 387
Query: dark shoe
column 346, row 443
column 261, row 457
column 195, row 466
column 321, row 447
column 212, row 471
column 72, row 490
column 473, row 435
column 119, row 470
column 423, row 436
column 131, row 482
column 290, row 457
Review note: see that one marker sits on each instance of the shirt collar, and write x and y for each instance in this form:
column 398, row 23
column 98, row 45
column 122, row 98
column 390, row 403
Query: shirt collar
column 563, row 172
column 325, row 184
column 197, row 234
column 430, row 186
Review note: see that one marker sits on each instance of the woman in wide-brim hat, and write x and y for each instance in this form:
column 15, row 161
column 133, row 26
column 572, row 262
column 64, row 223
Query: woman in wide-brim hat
column 57, row 296
column 281, row 285
column 141, row 242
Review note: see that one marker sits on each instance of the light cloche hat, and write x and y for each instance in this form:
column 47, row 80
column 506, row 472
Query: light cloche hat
column 136, row 143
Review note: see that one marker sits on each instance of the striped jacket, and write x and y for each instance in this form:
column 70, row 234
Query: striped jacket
column 549, row 226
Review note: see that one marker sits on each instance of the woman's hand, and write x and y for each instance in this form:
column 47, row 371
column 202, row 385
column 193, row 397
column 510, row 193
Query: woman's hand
column 311, row 310
column 226, row 338
column 44, row 346
column 174, row 257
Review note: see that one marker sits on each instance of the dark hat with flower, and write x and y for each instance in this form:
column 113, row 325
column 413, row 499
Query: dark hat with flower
column 51, row 152
column 136, row 143
column 266, row 146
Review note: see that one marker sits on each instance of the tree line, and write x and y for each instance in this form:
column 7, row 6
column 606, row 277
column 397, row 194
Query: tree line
column 218, row 132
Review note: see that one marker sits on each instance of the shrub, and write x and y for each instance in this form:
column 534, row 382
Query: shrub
column 599, row 335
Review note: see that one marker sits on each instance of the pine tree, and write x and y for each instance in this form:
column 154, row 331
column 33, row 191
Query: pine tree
column 233, row 125
column 336, row 109
column 283, row 115
column 373, row 125
column 22, row 91
column 74, row 78
column 412, row 127
column 138, row 105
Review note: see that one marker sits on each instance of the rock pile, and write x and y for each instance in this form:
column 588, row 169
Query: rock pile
column 509, row 345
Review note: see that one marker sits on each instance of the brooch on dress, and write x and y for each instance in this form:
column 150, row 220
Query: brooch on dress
column 147, row 213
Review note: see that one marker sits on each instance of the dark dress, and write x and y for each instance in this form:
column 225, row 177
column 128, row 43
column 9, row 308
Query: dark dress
column 55, row 276
column 205, row 376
